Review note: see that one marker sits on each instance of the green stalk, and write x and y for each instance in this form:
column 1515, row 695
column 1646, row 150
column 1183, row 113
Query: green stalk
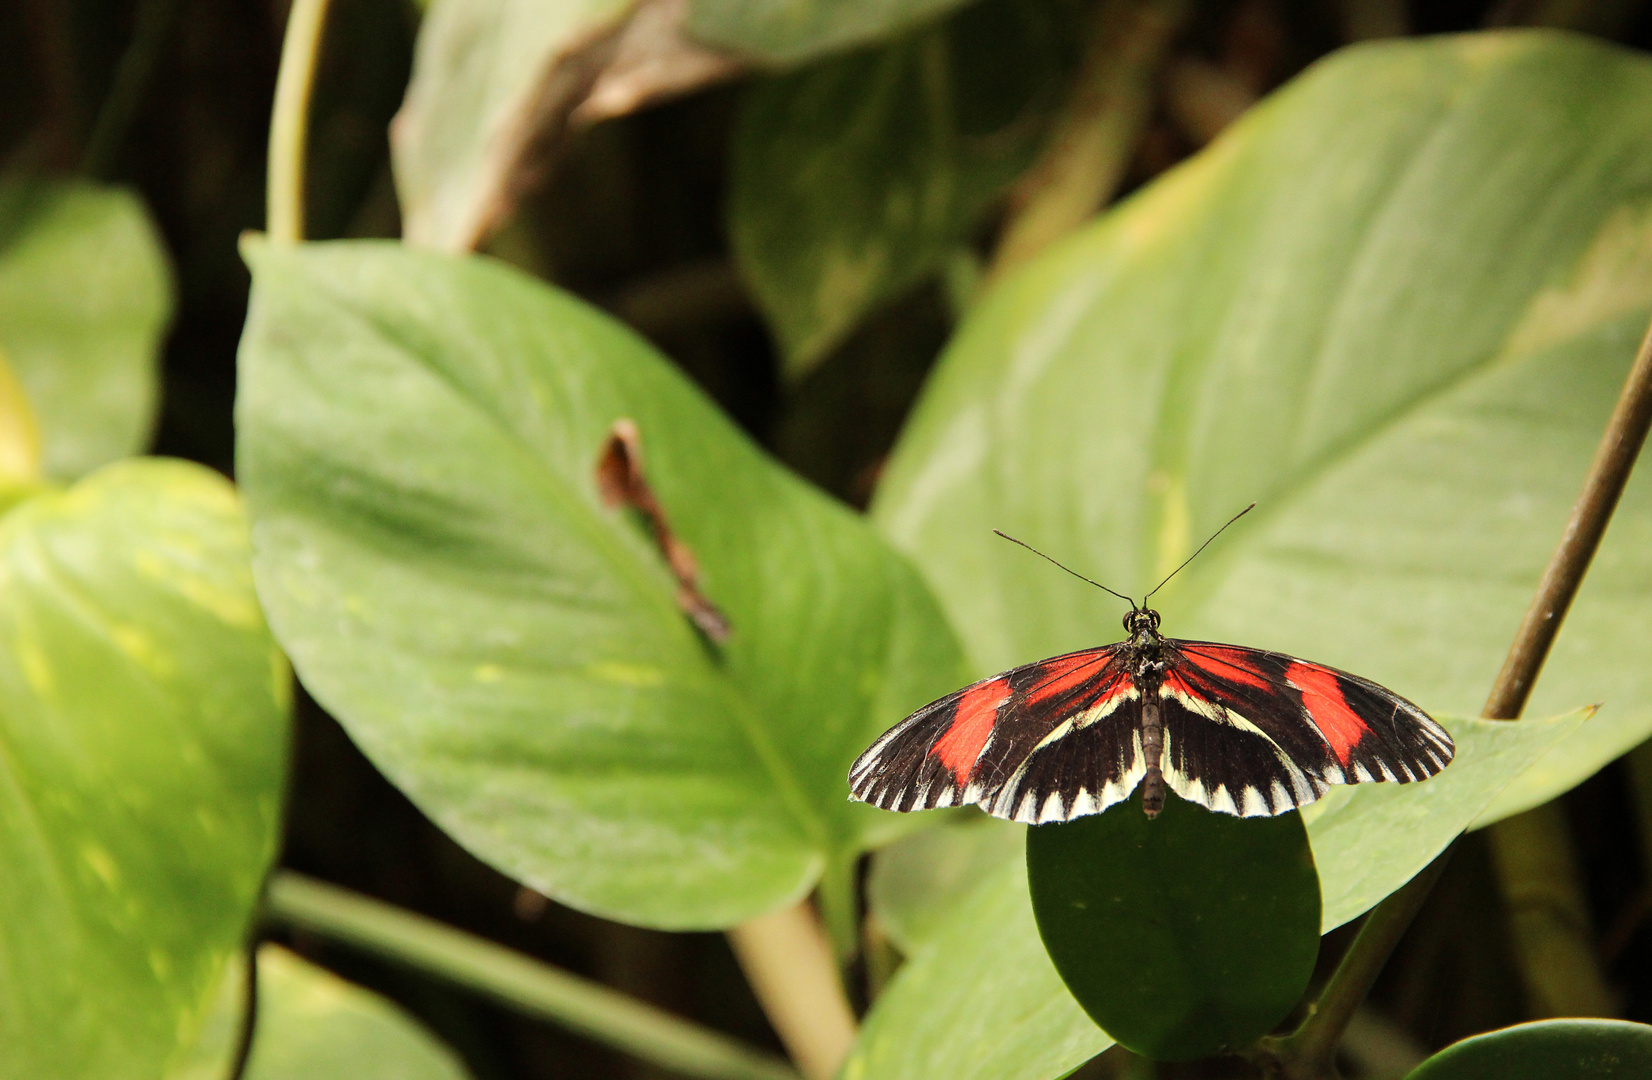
column 290, row 121
column 519, row 982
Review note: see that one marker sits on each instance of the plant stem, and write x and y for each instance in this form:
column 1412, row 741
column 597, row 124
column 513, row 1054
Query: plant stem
column 1548, row 913
column 1608, row 473
column 788, row 959
column 517, row 981
column 1305, row 1054
column 132, row 76
column 249, row 1014
column 290, row 121
column 1096, row 134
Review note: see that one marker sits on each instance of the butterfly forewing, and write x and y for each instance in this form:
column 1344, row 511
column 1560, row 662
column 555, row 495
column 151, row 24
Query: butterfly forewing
column 1043, row 742
column 1245, row 732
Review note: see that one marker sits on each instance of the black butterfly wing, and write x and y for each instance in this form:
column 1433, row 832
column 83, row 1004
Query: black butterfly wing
column 1044, row 742
column 1257, row 733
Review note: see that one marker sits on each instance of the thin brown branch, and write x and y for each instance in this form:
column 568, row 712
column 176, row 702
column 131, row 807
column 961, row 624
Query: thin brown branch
column 1305, row 1054
column 622, row 482
column 1609, row 472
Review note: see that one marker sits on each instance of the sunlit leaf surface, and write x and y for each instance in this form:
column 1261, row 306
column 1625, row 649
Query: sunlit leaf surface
column 143, row 746
column 508, row 649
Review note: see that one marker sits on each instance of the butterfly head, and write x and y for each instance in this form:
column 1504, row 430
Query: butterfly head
column 1141, row 620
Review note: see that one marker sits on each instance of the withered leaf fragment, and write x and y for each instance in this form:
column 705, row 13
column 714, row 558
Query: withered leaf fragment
column 621, row 480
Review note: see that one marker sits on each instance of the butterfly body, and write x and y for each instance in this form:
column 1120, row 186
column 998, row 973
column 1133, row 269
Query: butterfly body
column 1238, row 730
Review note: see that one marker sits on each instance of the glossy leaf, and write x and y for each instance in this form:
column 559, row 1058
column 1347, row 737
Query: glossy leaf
column 142, row 750
column 790, row 31
column 854, row 178
column 1547, row 1050
column 85, row 296
column 480, row 78
column 978, row 1000
column 312, row 1025
column 1394, row 306
column 418, row 443
column 1183, row 936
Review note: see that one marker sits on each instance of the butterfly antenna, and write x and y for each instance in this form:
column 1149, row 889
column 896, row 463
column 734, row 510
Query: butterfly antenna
column 1195, row 555
column 1075, row 573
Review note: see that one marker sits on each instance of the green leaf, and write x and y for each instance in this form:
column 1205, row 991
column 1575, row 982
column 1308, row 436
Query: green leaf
column 1183, row 936
column 1394, row 305
column 1369, row 839
column 1547, row 1050
column 482, row 70
column 855, row 178
column 418, row 439
column 791, row 31
column 916, row 881
column 312, row 1025
column 979, row 1000
column 143, row 745
column 1575, row 757
column 85, row 296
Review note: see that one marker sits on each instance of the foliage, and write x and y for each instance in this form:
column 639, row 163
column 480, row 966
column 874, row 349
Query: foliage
column 1393, row 304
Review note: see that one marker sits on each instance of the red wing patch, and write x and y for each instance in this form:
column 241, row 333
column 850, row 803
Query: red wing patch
column 1061, row 728
column 1327, row 708
column 971, row 726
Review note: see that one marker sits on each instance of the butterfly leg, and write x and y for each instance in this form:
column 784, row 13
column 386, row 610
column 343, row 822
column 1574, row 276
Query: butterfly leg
column 1152, row 748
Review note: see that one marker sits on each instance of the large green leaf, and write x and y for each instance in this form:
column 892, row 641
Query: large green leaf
column 1183, row 936
column 978, row 1000
column 142, row 749
column 85, row 295
column 854, row 178
column 1547, row 1050
column 312, row 1025
column 1393, row 305
column 790, row 31
column 418, row 437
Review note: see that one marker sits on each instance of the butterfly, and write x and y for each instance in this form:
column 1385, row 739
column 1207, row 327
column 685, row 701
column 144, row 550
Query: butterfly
column 1237, row 730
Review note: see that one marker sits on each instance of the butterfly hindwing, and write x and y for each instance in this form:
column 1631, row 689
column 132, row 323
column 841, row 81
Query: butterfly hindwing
column 1043, row 742
column 1257, row 733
